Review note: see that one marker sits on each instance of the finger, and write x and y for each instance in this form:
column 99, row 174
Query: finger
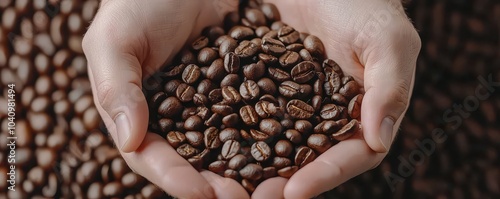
column 271, row 188
column 343, row 161
column 388, row 81
column 224, row 187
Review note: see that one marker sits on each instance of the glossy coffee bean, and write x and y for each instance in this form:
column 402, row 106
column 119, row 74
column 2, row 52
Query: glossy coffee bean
column 255, row 17
column 218, row 166
column 237, row 162
column 331, row 111
column 207, row 56
column 304, row 156
column 347, row 131
column 278, row 74
column 231, row 63
column 175, row 138
column 319, row 143
column 339, row 99
column 200, row 99
column 215, row 96
column 287, row 172
column 254, row 71
column 283, row 148
column 193, row 123
column 211, row 138
column 289, row 59
column 229, row 134
column 199, row 43
column 290, row 89
column 303, row 126
column 240, row 32
column 350, row 89
column 230, row 149
column 186, row 151
column 303, row 72
column 170, row 107
column 293, row 135
column 248, row 185
column 191, row 74
column 280, row 162
column 230, row 173
column 354, row 108
column 251, row 172
column 175, row 71
column 231, row 120
column 230, row 80
column 269, row 172
column 288, row 35
column 227, row 45
column 214, row 120
column 171, row 86
column 248, row 115
column 270, row 126
column 299, row 109
column 249, row 90
column 273, row 46
column 314, row 45
column 265, row 109
column 260, row 151
column 216, row 71
column 185, row 92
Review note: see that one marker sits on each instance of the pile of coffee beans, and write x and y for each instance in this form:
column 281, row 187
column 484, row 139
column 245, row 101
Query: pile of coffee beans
column 254, row 100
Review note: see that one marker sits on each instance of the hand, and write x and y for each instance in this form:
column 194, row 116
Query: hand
column 375, row 43
column 127, row 41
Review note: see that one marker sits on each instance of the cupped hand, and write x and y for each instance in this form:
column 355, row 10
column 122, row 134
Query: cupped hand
column 374, row 42
column 127, row 41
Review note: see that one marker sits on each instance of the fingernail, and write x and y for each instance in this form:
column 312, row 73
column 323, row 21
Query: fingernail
column 386, row 129
column 122, row 130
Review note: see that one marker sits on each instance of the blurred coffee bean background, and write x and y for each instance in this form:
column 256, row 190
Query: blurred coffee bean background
column 448, row 146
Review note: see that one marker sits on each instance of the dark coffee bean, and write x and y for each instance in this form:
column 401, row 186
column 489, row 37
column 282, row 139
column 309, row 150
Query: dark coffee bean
column 270, row 127
column 248, row 185
column 199, row 43
column 186, row 151
column 257, row 41
column 254, row 71
column 193, row 123
column 216, row 70
column 283, row 148
column 179, row 126
column 269, row 172
column 251, row 172
column 295, row 47
column 188, row 112
column 332, row 84
column 112, row 189
column 290, row 89
column 222, row 109
column 318, row 87
column 231, row 80
column 347, row 131
column 319, row 143
column 215, row 96
column 261, row 31
column 249, row 90
column 255, row 17
column 339, row 99
column 213, row 32
column 231, row 95
column 303, row 126
column 316, row 102
column 303, row 72
column 299, row 109
column 200, row 99
column 218, row 166
column 327, row 127
column 248, row 115
column 221, row 39
column 230, row 120
column 289, row 59
column 194, row 138
column 331, row 111
column 229, row 134
column 278, row 74
column 185, row 92
column 170, row 107
column 288, row 35
column 237, row 162
column 203, row 112
column 245, row 135
column 270, row 11
column 166, row 124
column 350, row 89
column 281, row 162
column 175, row 71
column 231, row 63
column 171, row 86
column 227, row 45
column 273, row 34
column 214, row 120
column 205, row 86
column 269, row 98
column 157, row 98
column 273, row 46
column 304, row 156
column 314, row 45
column 287, row 172
column 267, row 59
column 260, row 151
column 265, row 109
column 232, row 174
column 196, row 162
column 267, row 86
column 230, row 149
column 328, row 63
column 354, row 108
column 305, row 55
column 258, row 135
column 246, row 49
column 287, row 123
column 207, row 56
column 293, row 135
column 211, row 138
column 191, row 74
column 241, row 32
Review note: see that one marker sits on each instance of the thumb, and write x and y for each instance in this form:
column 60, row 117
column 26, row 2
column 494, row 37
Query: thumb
column 388, row 81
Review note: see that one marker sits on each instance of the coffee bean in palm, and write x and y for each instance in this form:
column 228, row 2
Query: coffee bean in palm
column 289, row 59
column 170, row 107
column 241, row 32
column 303, row 72
column 229, row 134
column 304, row 156
column 237, row 162
column 314, row 45
column 333, row 65
column 347, row 131
column 216, row 71
column 207, row 55
column 287, row 172
column 166, row 124
column 175, row 71
column 319, row 143
column 299, row 109
column 288, row 35
column 248, row 115
column 280, row 162
column 339, row 99
column 229, row 173
column 273, row 46
column 354, row 108
column 255, row 17
column 331, row 111
column 231, row 120
column 231, row 63
column 268, row 172
column 199, row 43
column 185, row 92
column 305, row 55
column 186, row 151
column 350, row 89
column 283, row 148
column 227, row 45
column 251, row 172
column 191, row 74
column 218, row 166
column 267, row 86
column 332, row 84
column 230, row 149
column 246, row 49
column 211, row 138
column 270, row 126
column 294, row 136
column 249, row 90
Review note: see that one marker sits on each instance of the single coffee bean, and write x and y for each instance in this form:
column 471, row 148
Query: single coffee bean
column 258, row 135
column 175, row 138
column 287, row 172
column 191, row 74
column 339, row 99
column 254, row 71
column 267, row 86
column 319, row 143
column 283, row 148
column 188, row 112
column 170, row 107
column 222, row 109
column 296, row 47
column 290, row 89
column 350, row 89
column 255, row 17
column 207, row 56
column 230, row 149
column 186, row 151
column 251, row 172
column 347, row 131
column 232, row 174
column 303, row 72
column 314, row 45
column 112, row 189
column 171, row 86
column 304, row 156
column 278, row 74
column 231, row 63
column 327, row 127
column 248, row 185
column 175, row 71
column 230, row 80
column 199, row 43
column 270, row 126
column 241, row 32
column 260, row 151
column 267, row 59
column 166, row 125
column 211, row 138
column 261, row 31
column 305, row 55
column 273, row 46
column 229, row 134
column 214, row 120
column 231, row 120
column 132, row 179
column 227, row 45
column 332, row 84
column 185, row 92
column 281, row 162
column 200, row 99
column 288, row 35
column 249, row 90
column 203, row 112
column 95, row 190
column 221, row 39
column 318, row 86
column 299, row 109
column 237, row 162
column 248, row 115
column 218, row 166
column 269, row 172
column 270, row 11
column 289, row 59
column 316, row 102
column 354, row 108
column 293, row 135
column 246, row 49
column 331, row 111
column 193, row 123
column 215, row 96
column 328, row 63
column 156, row 99
column 303, row 126
column 216, row 71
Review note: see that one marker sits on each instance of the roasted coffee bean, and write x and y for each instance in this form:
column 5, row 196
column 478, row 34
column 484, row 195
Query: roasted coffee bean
column 277, row 25
column 258, row 135
column 199, row 43
column 290, row 89
column 246, row 49
column 261, row 31
column 213, row 32
column 214, row 120
column 339, row 99
column 280, row 162
column 240, row 32
column 207, row 56
column 283, row 148
column 260, row 151
column 254, row 71
column 231, row 80
column 170, row 107
column 269, row 172
column 249, row 90
column 166, row 125
column 303, row 126
column 215, row 96
column 273, row 34
column 179, row 126
column 188, row 112
column 187, row 57
column 227, row 45
column 270, row 11
column 267, row 86
column 304, row 156
column 305, row 55
column 287, row 172
column 332, row 84
column 314, row 46
column 191, row 74
column 248, row 185
column 333, row 65
column 171, row 86
column 265, row 109
column 230, row 149
column 221, row 39
column 175, row 71
column 288, row 35
column 319, row 143
column 95, row 190
column 278, row 74
column 255, row 17
column 205, row 86
column 299, row 109
column 200, row 99
column 175, row 138
column 251, row 172
column 273, row 46
column 354, row 108
column 289, row 59
column 222, row 109
column 331, row 111
column 156, row 99
column 216, row 70
column 269, row 98
column 218, row 166
column 267, row 59
column 232, row 174
column 347, row 131
column 248, row 115
column 293, row 135
column 193, row 123
column 237, row 162
column 303, row 72
column 287, row 123
column 231, row 63
column 185, row 92
column 229, row 134
column 203, row 112
column 316, row 102
column 318, row 86
column 350, row 89
column 296, row 47
column 231, row 120
column 270, row 126
column 211, row 138
column 186, row 151
column 245, row 135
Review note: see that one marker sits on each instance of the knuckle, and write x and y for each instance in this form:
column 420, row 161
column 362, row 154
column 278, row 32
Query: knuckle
column 105, row 93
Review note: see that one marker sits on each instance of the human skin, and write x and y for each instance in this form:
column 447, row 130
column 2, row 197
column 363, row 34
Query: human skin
column 130, row 39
